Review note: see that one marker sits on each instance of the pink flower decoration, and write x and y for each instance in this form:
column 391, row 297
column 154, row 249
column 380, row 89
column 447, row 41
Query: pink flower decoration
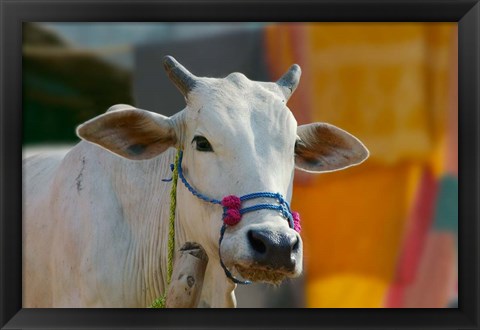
column 232, row 214
column 296, row 221
column 231, row 202
column 232, row 217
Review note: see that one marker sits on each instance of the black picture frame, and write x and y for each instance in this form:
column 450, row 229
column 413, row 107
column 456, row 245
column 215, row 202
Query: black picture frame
column 14, row 12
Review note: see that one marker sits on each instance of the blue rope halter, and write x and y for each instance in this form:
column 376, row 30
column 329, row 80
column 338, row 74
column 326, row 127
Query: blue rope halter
column 283, row 207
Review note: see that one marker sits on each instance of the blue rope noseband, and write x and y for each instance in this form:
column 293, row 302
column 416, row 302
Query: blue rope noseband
column 232, row 211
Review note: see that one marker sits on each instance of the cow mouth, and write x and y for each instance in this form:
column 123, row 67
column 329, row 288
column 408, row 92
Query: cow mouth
column 262, row 274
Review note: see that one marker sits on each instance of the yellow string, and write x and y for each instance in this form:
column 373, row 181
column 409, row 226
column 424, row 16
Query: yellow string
column 160, row 302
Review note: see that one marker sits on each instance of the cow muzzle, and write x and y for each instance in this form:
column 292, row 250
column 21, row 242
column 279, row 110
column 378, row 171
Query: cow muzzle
column 267, row 253
column 275, row 250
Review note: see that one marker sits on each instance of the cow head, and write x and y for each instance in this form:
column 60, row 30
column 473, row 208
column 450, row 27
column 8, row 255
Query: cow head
column 238, row 136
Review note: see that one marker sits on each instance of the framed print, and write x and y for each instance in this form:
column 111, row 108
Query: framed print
column 390, row 86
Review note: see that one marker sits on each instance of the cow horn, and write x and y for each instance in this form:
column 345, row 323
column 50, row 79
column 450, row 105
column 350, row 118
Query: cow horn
column 181, row 77
column 289, row 81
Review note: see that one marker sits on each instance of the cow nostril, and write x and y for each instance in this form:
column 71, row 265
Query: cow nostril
column 256, row 243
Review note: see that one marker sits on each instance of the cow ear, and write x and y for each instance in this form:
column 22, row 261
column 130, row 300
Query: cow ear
column 322, row 148
column 130, row 132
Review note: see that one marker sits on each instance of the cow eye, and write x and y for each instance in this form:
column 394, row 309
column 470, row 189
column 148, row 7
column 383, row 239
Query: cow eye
column 297, row 143
column 202, row 143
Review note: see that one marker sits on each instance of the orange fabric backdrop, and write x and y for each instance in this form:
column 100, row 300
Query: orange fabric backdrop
column 388, row 84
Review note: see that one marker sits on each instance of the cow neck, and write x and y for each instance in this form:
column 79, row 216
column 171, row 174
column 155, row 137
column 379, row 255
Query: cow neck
column 161, row 302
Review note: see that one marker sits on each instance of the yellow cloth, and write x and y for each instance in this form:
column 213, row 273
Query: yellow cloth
column 346, row 291
column 386, row 83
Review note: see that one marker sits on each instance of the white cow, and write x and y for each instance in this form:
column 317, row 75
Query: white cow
column 95, row 218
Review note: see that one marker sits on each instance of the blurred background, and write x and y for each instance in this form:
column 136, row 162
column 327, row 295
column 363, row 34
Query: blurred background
column 383, row 234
